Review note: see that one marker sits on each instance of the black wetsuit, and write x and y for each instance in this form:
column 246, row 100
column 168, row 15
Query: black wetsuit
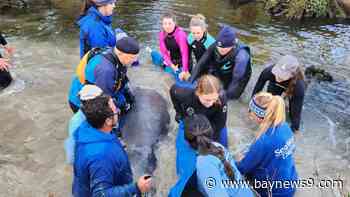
column 5, row 77
column 198, row 47
column 233, row 70
column 186, row 103
column 295, row 101
column 173, row 47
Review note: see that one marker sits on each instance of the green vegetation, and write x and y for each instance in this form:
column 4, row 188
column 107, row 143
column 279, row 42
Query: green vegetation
column 297, row 9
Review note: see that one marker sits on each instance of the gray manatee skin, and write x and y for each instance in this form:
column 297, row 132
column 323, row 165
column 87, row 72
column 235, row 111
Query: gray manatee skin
column 146, row 124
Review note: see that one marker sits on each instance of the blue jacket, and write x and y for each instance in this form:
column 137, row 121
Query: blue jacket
column 270, row 158
column 69, row 144
column 186, row 158
column 104, row 74
column 95, row 31
column 101, row 166
column 209, row 166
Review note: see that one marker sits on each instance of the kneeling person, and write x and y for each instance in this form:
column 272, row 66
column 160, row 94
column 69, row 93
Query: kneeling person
column 108, row 71
column 229, row 60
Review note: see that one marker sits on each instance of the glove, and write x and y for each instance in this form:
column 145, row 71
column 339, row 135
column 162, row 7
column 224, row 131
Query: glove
column 125, row 108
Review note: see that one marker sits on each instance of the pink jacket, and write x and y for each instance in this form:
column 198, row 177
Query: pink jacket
column 181, row 39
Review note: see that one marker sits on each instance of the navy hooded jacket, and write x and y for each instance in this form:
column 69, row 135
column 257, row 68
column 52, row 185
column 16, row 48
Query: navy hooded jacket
column 95, row 31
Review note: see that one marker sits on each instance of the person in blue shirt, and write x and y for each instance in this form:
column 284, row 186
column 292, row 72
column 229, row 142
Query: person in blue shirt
column 95, row 24
column 270, row 157
column 229, row 60
column 101, row 165
column 211, row 162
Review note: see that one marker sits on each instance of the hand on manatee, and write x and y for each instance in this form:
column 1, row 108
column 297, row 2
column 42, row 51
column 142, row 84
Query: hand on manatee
column 184, row 76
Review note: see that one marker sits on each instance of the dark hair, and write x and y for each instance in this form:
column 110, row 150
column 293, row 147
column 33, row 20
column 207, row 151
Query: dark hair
column 198, row 132
column 97, row 111
column 299, row 75
column 87, row 4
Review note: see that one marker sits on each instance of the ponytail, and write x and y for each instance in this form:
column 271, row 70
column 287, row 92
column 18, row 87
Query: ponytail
column 299, row 75
column 274, row 113
column 198, row 132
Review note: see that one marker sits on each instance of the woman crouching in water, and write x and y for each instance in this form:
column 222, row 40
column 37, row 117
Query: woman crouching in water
column 212, row 165
column 270, row 158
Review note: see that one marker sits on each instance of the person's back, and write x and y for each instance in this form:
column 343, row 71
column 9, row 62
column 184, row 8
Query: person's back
column 277, row 146
column 270, row 157
column 211, row 168
column 101, row 153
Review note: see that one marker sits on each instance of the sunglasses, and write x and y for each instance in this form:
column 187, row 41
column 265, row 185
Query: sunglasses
column 118, row 112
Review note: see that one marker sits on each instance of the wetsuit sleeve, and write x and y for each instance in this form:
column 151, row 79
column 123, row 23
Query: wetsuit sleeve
column 163, row 50
column 101, row 180
column 202, row 65
column 241, row 65
column 179, row 97
column 2, row 40
column 182, row 41
column 206, row 170
column 105, row 78
column 296, row 104
column 220, row 117
column 263, row 78
column 253, row 157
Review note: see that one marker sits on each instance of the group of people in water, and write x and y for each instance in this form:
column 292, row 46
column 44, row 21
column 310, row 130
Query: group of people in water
column 207, row 73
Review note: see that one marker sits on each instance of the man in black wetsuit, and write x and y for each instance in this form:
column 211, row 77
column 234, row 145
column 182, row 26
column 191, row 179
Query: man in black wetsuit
column 286, row 78
column 5, row 77
column 227, row 59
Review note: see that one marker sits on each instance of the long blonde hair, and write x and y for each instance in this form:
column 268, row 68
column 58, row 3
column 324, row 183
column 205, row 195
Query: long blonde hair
column 275, row 111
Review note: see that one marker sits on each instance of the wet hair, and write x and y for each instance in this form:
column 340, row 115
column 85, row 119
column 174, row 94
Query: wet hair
column 208, row 84
column 97, row 111
column 275, row 111
column 299, row 75
column 198, row 20
column 87, row 4
column 198, row 132
column 169, row 15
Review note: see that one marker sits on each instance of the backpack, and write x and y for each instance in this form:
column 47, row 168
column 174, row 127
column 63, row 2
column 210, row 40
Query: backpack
column 80, row 70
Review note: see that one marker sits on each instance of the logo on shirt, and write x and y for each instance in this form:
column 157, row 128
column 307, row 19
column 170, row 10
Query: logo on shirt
column 190, row 111
column 224, row 109
column 226, row 66
column 286, row 150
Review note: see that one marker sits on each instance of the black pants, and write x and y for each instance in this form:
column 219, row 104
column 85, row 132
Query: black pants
column 5, row 79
